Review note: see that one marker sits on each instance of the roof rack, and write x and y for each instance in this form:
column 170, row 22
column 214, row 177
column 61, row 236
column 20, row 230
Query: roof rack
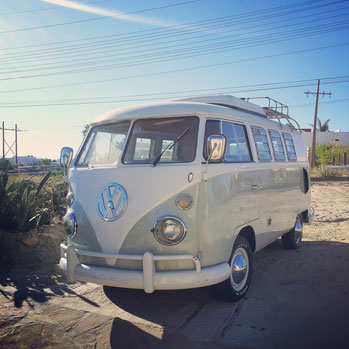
column 279, row 111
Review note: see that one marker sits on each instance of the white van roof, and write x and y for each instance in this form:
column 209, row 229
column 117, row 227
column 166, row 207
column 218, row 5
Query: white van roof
column 211, row 104
column 226, row 101
column 200, row 105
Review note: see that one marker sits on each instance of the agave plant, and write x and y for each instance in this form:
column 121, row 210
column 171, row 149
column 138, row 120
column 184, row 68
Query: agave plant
column 20, row 203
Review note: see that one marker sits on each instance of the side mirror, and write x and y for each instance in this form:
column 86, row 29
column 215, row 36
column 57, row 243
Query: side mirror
column 66, row 157
column 215, row 147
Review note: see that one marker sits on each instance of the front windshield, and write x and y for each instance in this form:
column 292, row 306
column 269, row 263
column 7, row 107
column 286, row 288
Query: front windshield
column 104, row 145
column 149, row 137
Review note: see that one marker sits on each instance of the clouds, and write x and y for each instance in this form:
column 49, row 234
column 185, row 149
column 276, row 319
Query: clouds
column 130, row 17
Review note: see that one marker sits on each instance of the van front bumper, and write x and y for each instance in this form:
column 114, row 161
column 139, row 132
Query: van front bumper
column 148, row 279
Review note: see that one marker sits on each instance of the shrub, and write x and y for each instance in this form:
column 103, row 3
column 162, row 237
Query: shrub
column 5, row 165
column 325, row 152
column 21, row 205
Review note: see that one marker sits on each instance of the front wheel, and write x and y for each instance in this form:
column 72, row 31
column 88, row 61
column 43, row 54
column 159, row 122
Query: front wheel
column 293, row 239
column 241, row 266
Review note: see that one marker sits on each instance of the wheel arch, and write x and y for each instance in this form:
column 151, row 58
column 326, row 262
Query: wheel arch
column 249, row 234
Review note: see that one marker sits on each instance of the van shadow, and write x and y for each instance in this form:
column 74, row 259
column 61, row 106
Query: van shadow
column 39, row 286
column 276, row 271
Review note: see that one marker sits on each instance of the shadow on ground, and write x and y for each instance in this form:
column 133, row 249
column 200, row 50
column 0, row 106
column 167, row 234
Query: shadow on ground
column 299, row 294
column 35, row 286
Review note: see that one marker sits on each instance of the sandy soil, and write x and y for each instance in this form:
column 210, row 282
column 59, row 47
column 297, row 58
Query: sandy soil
column 331, row 203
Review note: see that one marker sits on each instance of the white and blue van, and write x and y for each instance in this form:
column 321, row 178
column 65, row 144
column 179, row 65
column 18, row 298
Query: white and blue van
column 181, row 194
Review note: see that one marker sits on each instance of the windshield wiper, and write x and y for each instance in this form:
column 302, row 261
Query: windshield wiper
column 169, row 146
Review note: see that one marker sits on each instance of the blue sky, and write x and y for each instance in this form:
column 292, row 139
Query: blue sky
column 162, row 50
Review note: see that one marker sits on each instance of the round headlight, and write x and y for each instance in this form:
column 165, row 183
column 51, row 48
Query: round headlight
column 69, row 199
column 70, row 224
column 169, row 230
column 184, row 201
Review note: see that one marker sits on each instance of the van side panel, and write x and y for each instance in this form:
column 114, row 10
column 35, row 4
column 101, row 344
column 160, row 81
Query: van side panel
column 226, row 201
column 281, row 199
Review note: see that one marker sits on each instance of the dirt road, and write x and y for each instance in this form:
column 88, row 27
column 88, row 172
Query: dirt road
column 298, row 299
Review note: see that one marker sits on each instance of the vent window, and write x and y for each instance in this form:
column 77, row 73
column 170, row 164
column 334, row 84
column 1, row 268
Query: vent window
column 291, row 150
column 262, row 145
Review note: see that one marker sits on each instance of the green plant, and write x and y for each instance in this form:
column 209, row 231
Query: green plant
column 44, row 161
column 326, row 152
column 327, row 172
column 5, row 165
column 323, row 154
column 21, row 204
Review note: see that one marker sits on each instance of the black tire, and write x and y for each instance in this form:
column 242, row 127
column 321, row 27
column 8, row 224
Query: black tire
column 293, row 239
column 235, row 287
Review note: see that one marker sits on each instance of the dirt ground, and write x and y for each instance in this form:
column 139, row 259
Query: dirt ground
column 298, row 299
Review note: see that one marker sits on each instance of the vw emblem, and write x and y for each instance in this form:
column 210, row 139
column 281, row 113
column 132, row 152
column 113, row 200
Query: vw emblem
column 111, row 202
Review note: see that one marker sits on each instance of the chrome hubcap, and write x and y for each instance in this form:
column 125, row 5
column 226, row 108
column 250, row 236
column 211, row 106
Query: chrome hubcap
column 239, row 269
column 298, row 230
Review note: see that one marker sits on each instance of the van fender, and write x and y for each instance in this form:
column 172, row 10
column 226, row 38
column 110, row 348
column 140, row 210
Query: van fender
column 250, row 228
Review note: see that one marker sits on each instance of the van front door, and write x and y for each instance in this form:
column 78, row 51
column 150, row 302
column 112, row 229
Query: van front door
column 229, row 197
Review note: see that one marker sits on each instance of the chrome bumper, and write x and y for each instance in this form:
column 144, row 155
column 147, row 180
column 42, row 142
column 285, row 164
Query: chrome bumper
column 148, row 279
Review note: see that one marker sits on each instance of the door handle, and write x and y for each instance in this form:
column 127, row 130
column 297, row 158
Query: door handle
column 255, row 186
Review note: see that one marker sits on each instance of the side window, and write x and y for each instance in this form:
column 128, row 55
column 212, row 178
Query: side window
column 261, row 141
column 212, row 127
column 276, row 142
column 291, row 150
column 237, row 148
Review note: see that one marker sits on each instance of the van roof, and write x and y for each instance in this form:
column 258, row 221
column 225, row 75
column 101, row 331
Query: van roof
column 200, row 105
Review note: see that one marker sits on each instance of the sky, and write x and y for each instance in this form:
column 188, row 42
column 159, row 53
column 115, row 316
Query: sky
column 63, row 63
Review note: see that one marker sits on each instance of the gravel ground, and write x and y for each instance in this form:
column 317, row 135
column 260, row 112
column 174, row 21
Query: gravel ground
column 298, row 299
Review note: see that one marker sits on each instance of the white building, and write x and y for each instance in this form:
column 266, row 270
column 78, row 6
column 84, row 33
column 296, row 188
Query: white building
column 25, row 160
column 326, row 137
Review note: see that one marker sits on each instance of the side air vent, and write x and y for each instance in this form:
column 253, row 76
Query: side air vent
column 305, row 181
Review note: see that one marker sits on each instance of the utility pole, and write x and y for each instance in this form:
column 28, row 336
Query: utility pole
column 313, row 143
column 14, row 144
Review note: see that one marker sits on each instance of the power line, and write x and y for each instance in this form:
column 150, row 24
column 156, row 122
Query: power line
column 159, row 35
column 96, row 18
column 96, row 60
column 131, row 61
column 320, row 102
column 172, row 71
column 164, row 95
column 176, row 27
column 172, row 56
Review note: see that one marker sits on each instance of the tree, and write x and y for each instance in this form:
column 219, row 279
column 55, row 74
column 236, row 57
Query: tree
column 322, row 127
column 86, row 128
column 44, row 161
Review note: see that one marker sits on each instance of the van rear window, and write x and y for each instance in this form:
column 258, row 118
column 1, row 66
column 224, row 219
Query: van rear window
column 261, row 141
column 291, row 150
column 278, row 148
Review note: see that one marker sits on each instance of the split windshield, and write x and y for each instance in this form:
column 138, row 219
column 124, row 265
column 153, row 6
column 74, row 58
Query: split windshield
column 150, row 137
column 104, row 145
column 175, row 138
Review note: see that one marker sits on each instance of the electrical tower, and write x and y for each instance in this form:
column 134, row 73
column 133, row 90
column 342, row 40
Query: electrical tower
column 313, row 143
column 13, row 148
